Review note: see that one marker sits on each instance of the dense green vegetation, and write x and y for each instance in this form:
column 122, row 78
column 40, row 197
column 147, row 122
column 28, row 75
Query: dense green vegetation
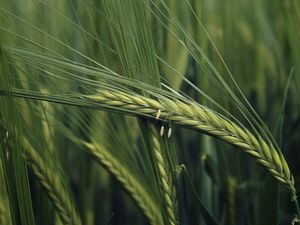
column 158, row 112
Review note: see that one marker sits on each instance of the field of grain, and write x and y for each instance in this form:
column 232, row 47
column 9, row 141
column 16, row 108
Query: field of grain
column 159, row 112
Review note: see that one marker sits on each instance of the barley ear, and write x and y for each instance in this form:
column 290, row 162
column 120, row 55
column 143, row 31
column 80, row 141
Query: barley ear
column 166, row 188
column 52, row 185
column 129, row 182
column 194, row 116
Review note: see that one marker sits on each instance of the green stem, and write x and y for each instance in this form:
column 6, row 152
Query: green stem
column 295, row 201
column 297, row 207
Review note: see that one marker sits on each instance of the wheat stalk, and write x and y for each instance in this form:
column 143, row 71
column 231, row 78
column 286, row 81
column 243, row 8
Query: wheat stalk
column 231, row 198
column 53, row 186
column 165, row 184
column 5, row 217
column 130, row 183
column 4, row 213
column 205, row 120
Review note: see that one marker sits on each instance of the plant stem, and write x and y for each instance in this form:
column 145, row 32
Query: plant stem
column 295, row 200
column 297, row 207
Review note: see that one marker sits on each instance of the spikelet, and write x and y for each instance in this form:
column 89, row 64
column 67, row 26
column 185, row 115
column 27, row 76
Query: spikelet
column 158, row 114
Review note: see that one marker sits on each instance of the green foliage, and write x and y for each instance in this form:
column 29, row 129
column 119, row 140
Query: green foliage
column 94, row 95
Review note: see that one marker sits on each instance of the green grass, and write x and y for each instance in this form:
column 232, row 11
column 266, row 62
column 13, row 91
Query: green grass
column 86, row 87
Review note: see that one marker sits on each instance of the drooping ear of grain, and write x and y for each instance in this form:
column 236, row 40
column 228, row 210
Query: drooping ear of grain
column 130, row 183
column 52, row 185
column 207, row 121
